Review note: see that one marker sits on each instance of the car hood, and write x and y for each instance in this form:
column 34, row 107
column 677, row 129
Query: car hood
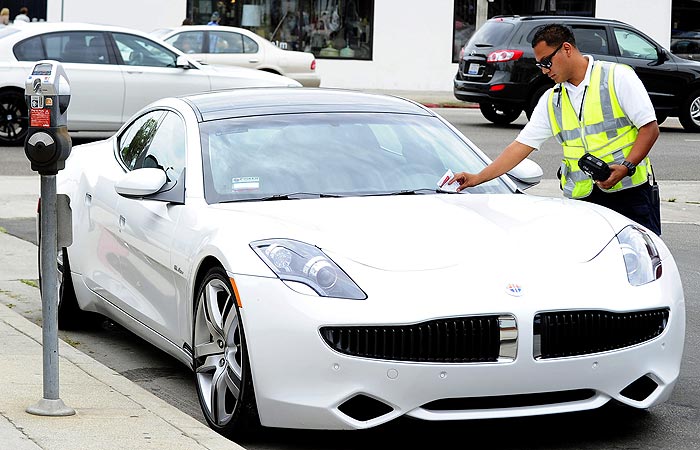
column 405, row 233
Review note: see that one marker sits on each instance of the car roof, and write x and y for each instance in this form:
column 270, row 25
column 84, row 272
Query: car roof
column 244, row 102
column 557, row 19
column 33, row 28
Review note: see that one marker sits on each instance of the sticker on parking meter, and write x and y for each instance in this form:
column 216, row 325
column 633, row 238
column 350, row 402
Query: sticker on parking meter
column 37, row 101
column 49, row 102
column 39, row 117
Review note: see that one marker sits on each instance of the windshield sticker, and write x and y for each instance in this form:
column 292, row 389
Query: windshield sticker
column 245, row 183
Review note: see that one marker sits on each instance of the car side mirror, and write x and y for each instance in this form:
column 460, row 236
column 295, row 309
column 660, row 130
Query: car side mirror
column 661, row 54
column 182, row 62
column 141, row 182
column 526, row 174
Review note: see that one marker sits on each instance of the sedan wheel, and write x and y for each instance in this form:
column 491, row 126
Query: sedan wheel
column 690, row 113
column 13, row 118
column 500, row 115
column 222, row 372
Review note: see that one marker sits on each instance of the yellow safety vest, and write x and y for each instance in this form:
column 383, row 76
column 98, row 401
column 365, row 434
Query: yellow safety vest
column 604, row 131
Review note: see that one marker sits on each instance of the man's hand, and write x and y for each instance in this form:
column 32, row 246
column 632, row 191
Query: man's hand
column 617, row 173
column 465, row 180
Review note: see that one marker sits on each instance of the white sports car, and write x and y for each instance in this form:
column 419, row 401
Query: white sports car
column 295, row 249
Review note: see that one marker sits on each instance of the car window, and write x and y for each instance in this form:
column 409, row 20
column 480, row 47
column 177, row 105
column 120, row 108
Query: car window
column 225, row 42
column 493, row 33
column 591, row 40
column 139, row 51
column 187, row 42
column 249, row 45
column 155, row 140
column 30, row 50
column 74, row 47
column 632, row 45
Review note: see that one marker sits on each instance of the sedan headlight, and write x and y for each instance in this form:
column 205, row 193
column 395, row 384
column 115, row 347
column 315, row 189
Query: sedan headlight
column 297, row 261
column 640, row 254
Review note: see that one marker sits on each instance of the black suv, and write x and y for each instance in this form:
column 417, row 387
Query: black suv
column 497, row 70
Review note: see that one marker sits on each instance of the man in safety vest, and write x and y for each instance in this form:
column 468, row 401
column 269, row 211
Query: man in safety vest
column 597, row 107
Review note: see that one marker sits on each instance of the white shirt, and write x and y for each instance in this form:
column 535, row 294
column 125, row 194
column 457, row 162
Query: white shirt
column 631, row 94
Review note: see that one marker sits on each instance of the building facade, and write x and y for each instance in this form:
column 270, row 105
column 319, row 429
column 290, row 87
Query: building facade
column 373, row 44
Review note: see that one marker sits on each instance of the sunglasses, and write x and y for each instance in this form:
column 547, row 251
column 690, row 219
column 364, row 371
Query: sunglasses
column 546, row 62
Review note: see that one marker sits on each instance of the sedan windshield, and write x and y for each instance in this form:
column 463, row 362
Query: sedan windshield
column 340, row 154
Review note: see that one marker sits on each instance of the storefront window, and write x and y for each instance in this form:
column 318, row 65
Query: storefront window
column 339, row 29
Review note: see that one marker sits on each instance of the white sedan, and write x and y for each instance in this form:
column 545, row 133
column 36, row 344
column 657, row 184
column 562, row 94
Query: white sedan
column 231, row 46
column 113, row 72
column 295, row 249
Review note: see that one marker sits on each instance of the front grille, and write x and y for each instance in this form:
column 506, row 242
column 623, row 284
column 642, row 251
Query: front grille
column 454, row 340
column 570, row 333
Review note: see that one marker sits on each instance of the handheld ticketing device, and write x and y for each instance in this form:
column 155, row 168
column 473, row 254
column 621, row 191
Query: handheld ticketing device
column 47, row 93
column 596, row 168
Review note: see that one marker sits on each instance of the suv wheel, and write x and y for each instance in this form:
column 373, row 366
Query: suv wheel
column 534, row 99
column 690, row 112
column 500, row 115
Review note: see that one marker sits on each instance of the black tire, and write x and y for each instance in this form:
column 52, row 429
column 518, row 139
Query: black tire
column 534, row 99
column 220, row 359
column 690, row 112
column 500, row 115
column 14, row 118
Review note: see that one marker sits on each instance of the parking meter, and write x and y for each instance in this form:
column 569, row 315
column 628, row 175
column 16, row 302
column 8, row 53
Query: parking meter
column 47, row 147
column 47, row 93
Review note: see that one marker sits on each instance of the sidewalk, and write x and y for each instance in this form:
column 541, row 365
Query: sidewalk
column 111, row 411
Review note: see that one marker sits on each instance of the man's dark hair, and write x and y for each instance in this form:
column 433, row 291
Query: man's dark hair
column 553, row 35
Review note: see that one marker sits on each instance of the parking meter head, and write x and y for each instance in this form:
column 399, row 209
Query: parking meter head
column 47, row 93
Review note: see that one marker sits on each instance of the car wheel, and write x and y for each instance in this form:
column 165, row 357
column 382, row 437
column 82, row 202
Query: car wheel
column 14, row 122
column 539, row 92
column 220, row 359
column 500, row 115
column 690, row 112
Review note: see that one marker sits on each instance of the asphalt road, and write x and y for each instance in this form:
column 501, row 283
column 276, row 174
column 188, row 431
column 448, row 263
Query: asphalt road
column 671, row 425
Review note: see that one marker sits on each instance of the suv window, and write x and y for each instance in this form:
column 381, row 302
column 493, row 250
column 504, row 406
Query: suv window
column 632, row 45
column 589, row 39
column 492, row 33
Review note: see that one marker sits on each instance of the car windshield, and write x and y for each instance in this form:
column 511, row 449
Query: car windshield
column 339, row 154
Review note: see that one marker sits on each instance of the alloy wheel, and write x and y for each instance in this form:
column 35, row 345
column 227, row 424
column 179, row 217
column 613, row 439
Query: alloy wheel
column 218, row 351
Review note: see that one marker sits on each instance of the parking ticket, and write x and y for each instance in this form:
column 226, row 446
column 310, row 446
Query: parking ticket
column 442, row 182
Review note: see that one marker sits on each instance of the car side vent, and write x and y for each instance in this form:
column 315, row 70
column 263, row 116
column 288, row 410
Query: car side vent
column 569, row 333
column 362, row 407
column 453, row 340
column 640, row 389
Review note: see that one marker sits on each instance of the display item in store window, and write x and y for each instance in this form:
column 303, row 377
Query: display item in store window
column 329, row 51
column 347, row 52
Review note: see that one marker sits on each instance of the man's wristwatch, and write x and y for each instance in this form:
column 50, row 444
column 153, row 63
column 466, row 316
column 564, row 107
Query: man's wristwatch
column 631, row 167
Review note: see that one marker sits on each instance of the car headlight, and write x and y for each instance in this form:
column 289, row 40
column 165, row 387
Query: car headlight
column 297, row 261
column 640, row 254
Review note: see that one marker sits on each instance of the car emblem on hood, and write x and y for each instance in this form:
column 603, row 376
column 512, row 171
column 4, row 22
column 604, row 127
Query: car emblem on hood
column 514, row 289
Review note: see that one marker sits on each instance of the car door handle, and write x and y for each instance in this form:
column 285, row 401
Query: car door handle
column 122, row 223
column 253, row 60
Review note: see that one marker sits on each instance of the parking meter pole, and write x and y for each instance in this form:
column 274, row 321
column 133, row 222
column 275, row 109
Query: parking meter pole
column 47, row 146
column 51, row 404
